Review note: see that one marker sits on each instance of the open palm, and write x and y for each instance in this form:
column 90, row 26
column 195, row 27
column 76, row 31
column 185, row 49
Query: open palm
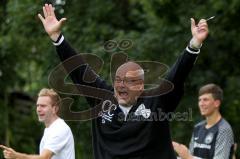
column 51, row 25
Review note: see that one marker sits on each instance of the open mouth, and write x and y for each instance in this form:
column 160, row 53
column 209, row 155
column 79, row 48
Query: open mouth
column 123, row 94
column 41, row 115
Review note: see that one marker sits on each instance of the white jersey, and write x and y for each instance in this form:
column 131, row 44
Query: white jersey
column 58, row 138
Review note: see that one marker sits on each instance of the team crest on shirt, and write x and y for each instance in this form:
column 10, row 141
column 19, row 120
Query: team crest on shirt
column 141, row 110
column 107, row 112
column 209, row 138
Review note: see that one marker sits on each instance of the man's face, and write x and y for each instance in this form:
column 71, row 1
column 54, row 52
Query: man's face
column 207, row 104
column 45, row 109
column 128, row 85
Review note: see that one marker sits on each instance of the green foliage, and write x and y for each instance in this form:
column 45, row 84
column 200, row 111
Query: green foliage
column 159, row 30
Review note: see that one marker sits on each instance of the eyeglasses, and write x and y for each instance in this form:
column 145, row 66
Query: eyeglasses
column 127, row 81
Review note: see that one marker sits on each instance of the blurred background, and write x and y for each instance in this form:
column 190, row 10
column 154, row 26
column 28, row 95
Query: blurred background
column 159, row 31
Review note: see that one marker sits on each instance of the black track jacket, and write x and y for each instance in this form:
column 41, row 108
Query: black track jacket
column 145, row 134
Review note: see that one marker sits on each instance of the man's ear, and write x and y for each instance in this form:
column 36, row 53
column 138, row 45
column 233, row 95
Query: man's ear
column 217, row 103
column 56, row 108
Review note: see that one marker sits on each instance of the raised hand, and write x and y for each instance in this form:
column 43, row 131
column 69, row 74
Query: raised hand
column 51, row 25
column 199, row 31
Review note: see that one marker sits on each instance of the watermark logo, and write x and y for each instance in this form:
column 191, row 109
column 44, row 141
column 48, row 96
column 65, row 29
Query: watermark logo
column 158, row 115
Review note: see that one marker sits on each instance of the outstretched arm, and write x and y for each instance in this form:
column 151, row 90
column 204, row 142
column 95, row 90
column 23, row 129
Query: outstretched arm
column 75, row 64
column 51, row 25
column 10, row 153
column 182, row 67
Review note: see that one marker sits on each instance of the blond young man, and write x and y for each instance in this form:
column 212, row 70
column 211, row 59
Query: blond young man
column 57, row 141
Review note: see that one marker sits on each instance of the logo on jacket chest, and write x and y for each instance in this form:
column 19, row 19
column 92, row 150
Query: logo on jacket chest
column 107, row 112
column 142, row 111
